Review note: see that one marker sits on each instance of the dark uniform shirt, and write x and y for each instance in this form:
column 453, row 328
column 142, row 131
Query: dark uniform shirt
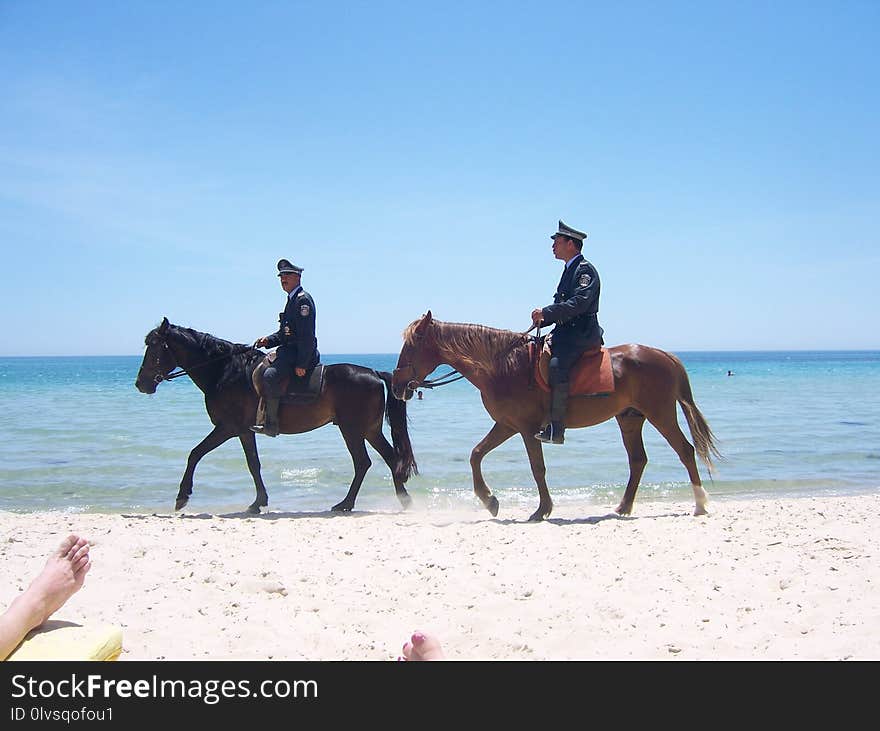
column 575, row 308
column 295, row 338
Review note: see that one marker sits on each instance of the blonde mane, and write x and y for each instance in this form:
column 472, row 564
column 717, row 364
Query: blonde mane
column 488, row 350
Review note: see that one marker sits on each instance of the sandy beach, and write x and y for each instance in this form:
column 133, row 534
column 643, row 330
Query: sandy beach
column 757, row 579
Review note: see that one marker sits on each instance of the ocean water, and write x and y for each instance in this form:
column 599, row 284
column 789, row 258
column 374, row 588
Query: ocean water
column 76, row 435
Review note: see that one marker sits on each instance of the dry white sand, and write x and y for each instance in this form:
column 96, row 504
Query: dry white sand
column 757, row 579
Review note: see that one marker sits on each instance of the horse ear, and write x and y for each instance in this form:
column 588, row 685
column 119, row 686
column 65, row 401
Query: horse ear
column 164, row 326
column 423, row 323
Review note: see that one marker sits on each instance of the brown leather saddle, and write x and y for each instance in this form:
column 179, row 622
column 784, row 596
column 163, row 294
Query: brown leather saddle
column 591, row 375
column 295, row 390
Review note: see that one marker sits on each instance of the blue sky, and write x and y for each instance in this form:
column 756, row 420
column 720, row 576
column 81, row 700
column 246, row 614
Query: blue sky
column 158, row 158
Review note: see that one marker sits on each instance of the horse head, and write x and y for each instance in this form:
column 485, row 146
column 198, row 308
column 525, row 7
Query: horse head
column 418, row 357
column 158, row 360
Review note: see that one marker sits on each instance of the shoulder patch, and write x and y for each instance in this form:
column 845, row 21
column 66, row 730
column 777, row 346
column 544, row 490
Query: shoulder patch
column 304, row 310
column 584, row 280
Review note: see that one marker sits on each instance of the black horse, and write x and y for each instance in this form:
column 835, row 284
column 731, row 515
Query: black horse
column 352, row 397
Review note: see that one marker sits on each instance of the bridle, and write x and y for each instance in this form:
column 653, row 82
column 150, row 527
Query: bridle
column 159, row 377
column 443, row 380
column 171, row 375
column 454, row 375
column 414, row 383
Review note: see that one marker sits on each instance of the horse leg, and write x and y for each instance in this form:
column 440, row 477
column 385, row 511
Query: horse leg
column 631, row 423
column 249, row 444
column 354, row 440
column 218, row 435
column 497, row 435
column 667, row 425
column 378, row 441
column 536, row 460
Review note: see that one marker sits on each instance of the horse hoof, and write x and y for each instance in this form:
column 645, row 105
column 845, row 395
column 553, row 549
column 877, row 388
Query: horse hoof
column 342, row 508
column 492, row 506
column 181, row 501
column 540, row 514
column 405, row 500
column 254, row 509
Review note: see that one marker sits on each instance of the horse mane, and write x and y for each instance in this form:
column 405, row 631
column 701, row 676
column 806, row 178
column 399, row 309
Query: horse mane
column 489, row 350
column 239, row 364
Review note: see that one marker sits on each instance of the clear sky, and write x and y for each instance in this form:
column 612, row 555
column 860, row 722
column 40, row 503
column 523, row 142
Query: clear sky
column 157, row 159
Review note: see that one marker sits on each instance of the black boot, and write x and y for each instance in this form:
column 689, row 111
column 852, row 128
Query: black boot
column 270, row 427
column 554, row 432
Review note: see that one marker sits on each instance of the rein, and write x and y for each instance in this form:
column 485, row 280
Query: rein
column 185, row 371
column 437, row 382
column 455, row 375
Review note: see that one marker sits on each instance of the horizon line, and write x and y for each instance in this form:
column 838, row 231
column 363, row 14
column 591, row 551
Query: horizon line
column 672, row 350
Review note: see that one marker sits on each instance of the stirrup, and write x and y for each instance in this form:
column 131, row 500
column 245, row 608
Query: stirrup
column 264, row 430
column 553, row 433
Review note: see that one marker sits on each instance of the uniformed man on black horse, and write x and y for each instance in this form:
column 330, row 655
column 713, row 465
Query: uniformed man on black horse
column 574, row 312
column 297, row 351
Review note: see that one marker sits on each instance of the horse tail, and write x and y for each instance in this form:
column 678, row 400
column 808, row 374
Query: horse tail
column 704, row 439
column 395, row 414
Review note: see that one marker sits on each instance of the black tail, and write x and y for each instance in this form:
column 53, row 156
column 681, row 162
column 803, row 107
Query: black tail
column 395, row 414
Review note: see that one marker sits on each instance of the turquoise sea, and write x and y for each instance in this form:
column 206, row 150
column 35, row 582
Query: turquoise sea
column 76, row 435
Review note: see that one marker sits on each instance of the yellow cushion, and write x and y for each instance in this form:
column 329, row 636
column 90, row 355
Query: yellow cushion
column 56, row 640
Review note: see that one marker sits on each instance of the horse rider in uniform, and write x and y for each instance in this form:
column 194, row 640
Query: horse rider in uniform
column 296, row 342
column 574, row 313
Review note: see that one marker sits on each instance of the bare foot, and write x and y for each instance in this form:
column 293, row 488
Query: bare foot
column 61, row 577
column 422, row 646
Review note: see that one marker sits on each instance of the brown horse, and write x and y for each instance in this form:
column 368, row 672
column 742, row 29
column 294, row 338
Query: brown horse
column 648, row 383
column 352, row 397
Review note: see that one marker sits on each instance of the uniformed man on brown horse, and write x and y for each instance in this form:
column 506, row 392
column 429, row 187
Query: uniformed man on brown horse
column 575, row 314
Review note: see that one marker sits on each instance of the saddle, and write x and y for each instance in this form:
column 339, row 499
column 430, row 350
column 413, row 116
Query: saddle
column 295, row 390
column 591, row 375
